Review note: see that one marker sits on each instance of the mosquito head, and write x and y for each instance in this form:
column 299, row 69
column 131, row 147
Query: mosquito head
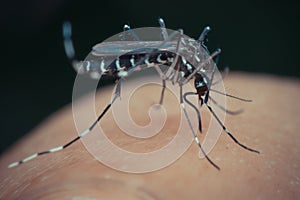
column 200, row 84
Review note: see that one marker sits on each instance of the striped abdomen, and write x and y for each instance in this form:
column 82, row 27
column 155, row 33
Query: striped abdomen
column 136, row 60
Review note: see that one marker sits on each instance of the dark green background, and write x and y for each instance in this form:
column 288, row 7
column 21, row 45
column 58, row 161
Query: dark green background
column 36, row 78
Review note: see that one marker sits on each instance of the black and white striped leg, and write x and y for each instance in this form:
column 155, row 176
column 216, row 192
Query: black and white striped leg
column 193, row 132
column 227, row 131
column 163, row 28
column 194, row 107
column 81, row 135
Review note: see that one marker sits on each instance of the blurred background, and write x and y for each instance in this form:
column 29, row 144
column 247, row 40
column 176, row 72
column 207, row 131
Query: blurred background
column 37, row 79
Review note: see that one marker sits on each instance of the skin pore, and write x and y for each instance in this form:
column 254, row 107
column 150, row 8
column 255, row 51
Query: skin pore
column 269, row 124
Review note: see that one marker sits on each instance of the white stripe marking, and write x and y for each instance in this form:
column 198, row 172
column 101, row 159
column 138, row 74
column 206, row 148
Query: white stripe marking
column 183, row 41
column 88, row 67
column 84, row 133
column 182, row 74
column 102, row 67
column 118, row 64
column 189, row 67
column 147, row 61
column 126, row 27
column 95, row 75
column 122, row 73
column 161, row 20
column 197, row 58
column 171, row 59
column 30, row 157
column 78, row 66
column 159, row 59
column 56, row 149
column 132, row 60
column 13, row 164
column 183, row 60
column 197, row 140
column 182, row 105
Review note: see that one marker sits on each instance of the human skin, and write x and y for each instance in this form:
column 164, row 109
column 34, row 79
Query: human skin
column 270, row 124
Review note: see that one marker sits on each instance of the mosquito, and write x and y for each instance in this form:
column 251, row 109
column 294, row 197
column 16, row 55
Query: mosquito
column 136, row 55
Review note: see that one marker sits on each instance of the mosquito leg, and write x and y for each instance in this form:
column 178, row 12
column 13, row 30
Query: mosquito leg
column 193, row 132
column 116, row 95
column 194, row 107
column 231, row 112
column 163, row 28
column 227, row 131
column 162, row 91
column 80, row 66
column 211, row 79
column 69, row 47
column 203, row 37
column 214, row 54
column 81, row 135
column 163, row 77
column 171, row 69
column 217, row 58
column 126, row 27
